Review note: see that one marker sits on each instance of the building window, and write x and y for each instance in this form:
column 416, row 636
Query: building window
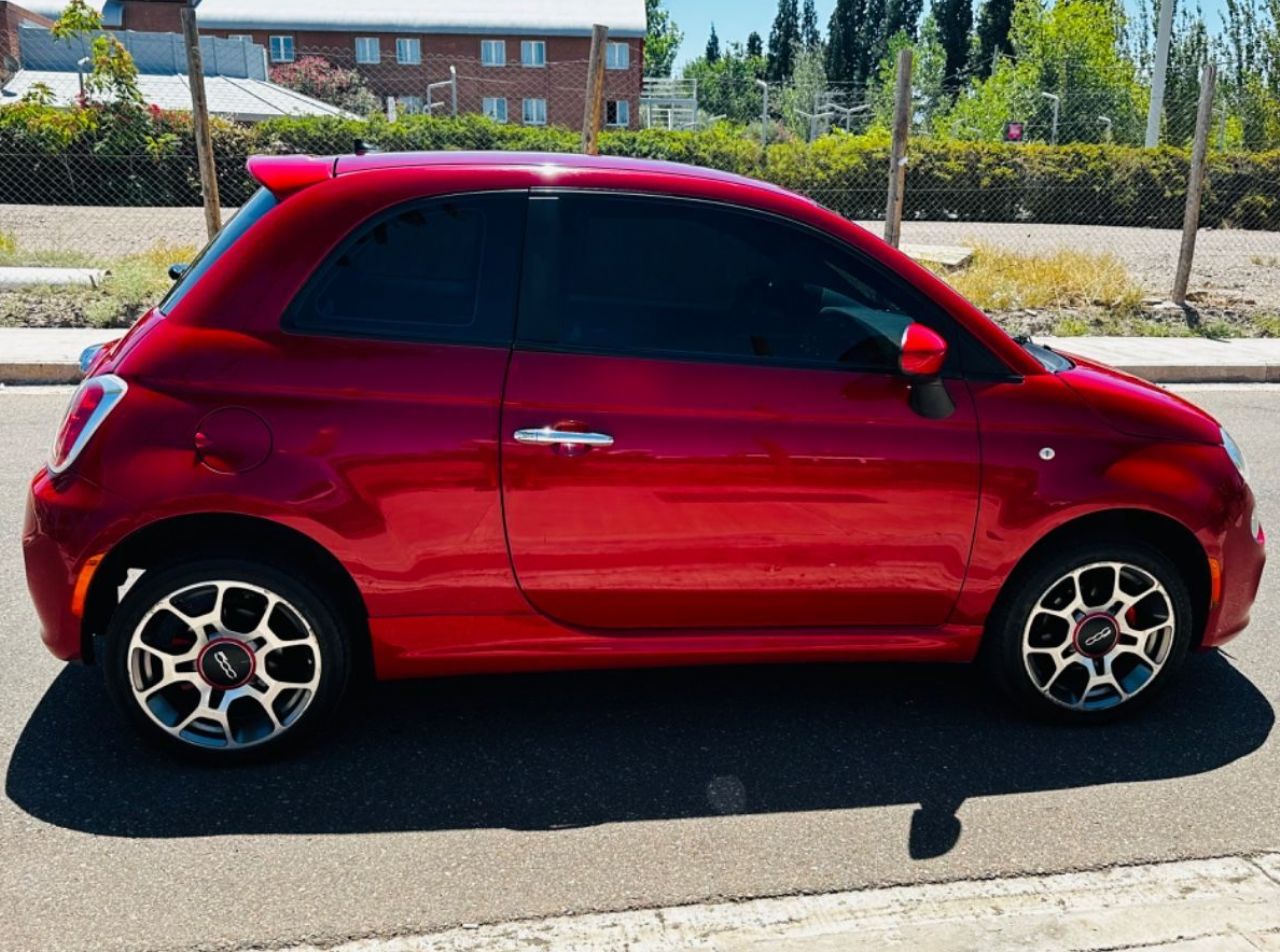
column 495, row 107
column 535, row 112
column 409, row 50
column 617, row 112
column 617, row 56
column 533, row 53
column 281, row 49
column 409, row 105
column 493, row 52
column 240, row 36
column 368, row 49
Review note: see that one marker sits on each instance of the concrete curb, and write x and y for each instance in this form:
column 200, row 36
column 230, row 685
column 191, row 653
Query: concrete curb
column 1231, row 903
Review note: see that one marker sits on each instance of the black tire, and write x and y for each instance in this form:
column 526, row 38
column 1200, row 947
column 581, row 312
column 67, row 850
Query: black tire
column 327, row 636
column 1002, row 652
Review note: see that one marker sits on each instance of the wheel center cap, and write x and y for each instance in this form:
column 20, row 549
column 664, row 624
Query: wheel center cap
column 1096, row 635
column 225, row 663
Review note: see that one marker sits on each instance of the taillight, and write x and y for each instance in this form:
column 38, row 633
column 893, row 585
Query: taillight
column 93, row 400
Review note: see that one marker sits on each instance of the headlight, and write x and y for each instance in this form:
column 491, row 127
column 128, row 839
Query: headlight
column 1234, row 452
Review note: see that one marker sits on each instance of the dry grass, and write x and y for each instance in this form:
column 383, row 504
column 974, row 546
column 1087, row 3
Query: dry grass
column 132, row 284
column 999, row 280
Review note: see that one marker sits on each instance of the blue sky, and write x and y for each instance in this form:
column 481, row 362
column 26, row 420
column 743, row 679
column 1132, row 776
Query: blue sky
column 734, row 19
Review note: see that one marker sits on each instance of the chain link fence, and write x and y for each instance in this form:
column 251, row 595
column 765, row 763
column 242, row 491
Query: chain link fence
column 70, row 194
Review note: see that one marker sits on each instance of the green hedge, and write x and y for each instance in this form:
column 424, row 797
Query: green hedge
column 946, row 180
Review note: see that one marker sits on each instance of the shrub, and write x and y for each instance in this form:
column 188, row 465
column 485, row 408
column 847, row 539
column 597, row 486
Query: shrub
column 57, row 156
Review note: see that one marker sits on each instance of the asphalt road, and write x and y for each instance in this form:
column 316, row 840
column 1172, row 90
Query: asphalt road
column 471, row 800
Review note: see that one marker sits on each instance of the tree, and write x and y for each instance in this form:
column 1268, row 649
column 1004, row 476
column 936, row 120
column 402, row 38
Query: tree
column 783, row 39
column 316, row 76
column 994, row 20
column 901, row 16
column 801, row 98
column 755, row 46
column 727, row 87
column 713, row 46
column 1188, row 52
column 661, row 41
column 810, row 34
column 955, row 20
column 845, row 59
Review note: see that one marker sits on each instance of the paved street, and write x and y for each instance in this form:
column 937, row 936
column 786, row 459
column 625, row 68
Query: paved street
column 476, row 800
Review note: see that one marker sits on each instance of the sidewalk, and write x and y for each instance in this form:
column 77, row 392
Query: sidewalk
column 1215, row 905
column 32, row 355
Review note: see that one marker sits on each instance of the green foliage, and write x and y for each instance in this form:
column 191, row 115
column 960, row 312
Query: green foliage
column 713, row 47
column 784, row 37
column 727, row 87
column 991, row 37
column 661, row 41
column 315, row 76
column 801, row 98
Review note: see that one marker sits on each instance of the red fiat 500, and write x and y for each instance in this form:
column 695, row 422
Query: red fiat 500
column 429, row 414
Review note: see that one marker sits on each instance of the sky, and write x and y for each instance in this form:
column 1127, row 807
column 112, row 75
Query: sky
column 734, row 19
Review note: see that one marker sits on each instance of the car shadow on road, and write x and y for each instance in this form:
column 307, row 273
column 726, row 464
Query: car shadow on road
column 549, row 751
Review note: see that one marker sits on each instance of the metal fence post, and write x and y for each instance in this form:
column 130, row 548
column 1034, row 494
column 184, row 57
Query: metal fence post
column 764, row 112
column 1195, row 183
column 898, row 152
column 453, row 88
column 200, row 120
column 595, row 91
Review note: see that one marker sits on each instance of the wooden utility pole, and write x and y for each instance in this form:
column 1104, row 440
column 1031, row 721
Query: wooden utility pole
column 595, row 91
column 200, row 121
column 1195, row 183
column 898, row 152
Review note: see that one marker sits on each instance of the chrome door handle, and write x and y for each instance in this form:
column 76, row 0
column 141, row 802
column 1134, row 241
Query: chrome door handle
column 550, row 436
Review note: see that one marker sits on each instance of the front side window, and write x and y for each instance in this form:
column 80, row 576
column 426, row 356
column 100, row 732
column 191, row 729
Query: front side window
column 617, row 112
column 367, row 49
column 495, row 107
column 535, row 112
column 533, row 53
column 408, row 51
column 617, row 56
column 441, row 270
column 682, row 279
column 493, row 52
column 281, row 49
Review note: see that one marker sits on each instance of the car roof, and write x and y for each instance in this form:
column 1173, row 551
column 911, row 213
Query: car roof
column 548, row 161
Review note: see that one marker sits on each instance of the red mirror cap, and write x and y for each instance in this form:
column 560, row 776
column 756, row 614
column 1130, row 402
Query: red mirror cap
column 923, row 351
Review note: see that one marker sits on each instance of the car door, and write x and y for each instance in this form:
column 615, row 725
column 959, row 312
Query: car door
column 746, row 451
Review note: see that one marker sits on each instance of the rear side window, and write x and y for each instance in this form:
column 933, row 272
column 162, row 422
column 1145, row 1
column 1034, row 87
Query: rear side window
column 261, row 202
column 442, row 270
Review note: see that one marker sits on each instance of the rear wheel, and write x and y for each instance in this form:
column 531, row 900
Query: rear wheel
column 224, row 659
column 1091, row 632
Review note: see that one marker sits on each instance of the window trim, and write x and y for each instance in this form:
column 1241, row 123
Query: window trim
column 363, row 42
column 966, row 354
column 484, row 100
column 524, row 111
column 288, row 317
column 611, row 45
column 534, row 44
column 618, row 124
column 493, row 44
column 271, row 48
column 416, row 42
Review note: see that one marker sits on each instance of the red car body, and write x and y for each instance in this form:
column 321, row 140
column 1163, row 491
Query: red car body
column 745, row 513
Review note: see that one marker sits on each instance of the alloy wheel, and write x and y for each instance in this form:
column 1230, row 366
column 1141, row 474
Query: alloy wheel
column 1098, row 636
column 223, row 664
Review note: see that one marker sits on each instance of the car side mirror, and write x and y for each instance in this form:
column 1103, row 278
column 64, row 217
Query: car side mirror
column 923, row 351
column 921, row 356
column 177, row 270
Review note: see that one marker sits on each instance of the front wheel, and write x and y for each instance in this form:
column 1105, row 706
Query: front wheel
column 1090, row 632
column 223, row 659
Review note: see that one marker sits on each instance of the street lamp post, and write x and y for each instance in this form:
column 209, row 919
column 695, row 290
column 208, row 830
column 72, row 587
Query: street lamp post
column 1057, row 103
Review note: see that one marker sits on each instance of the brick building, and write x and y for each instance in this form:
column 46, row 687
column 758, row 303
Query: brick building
column 12, row 19
column 518, row 61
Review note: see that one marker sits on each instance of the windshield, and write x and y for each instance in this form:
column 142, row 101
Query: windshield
column 258, row 205
column 1050, row 360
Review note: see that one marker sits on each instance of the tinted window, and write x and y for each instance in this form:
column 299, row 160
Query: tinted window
column 258, row 205
column 441, row 270
column 679, row 278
